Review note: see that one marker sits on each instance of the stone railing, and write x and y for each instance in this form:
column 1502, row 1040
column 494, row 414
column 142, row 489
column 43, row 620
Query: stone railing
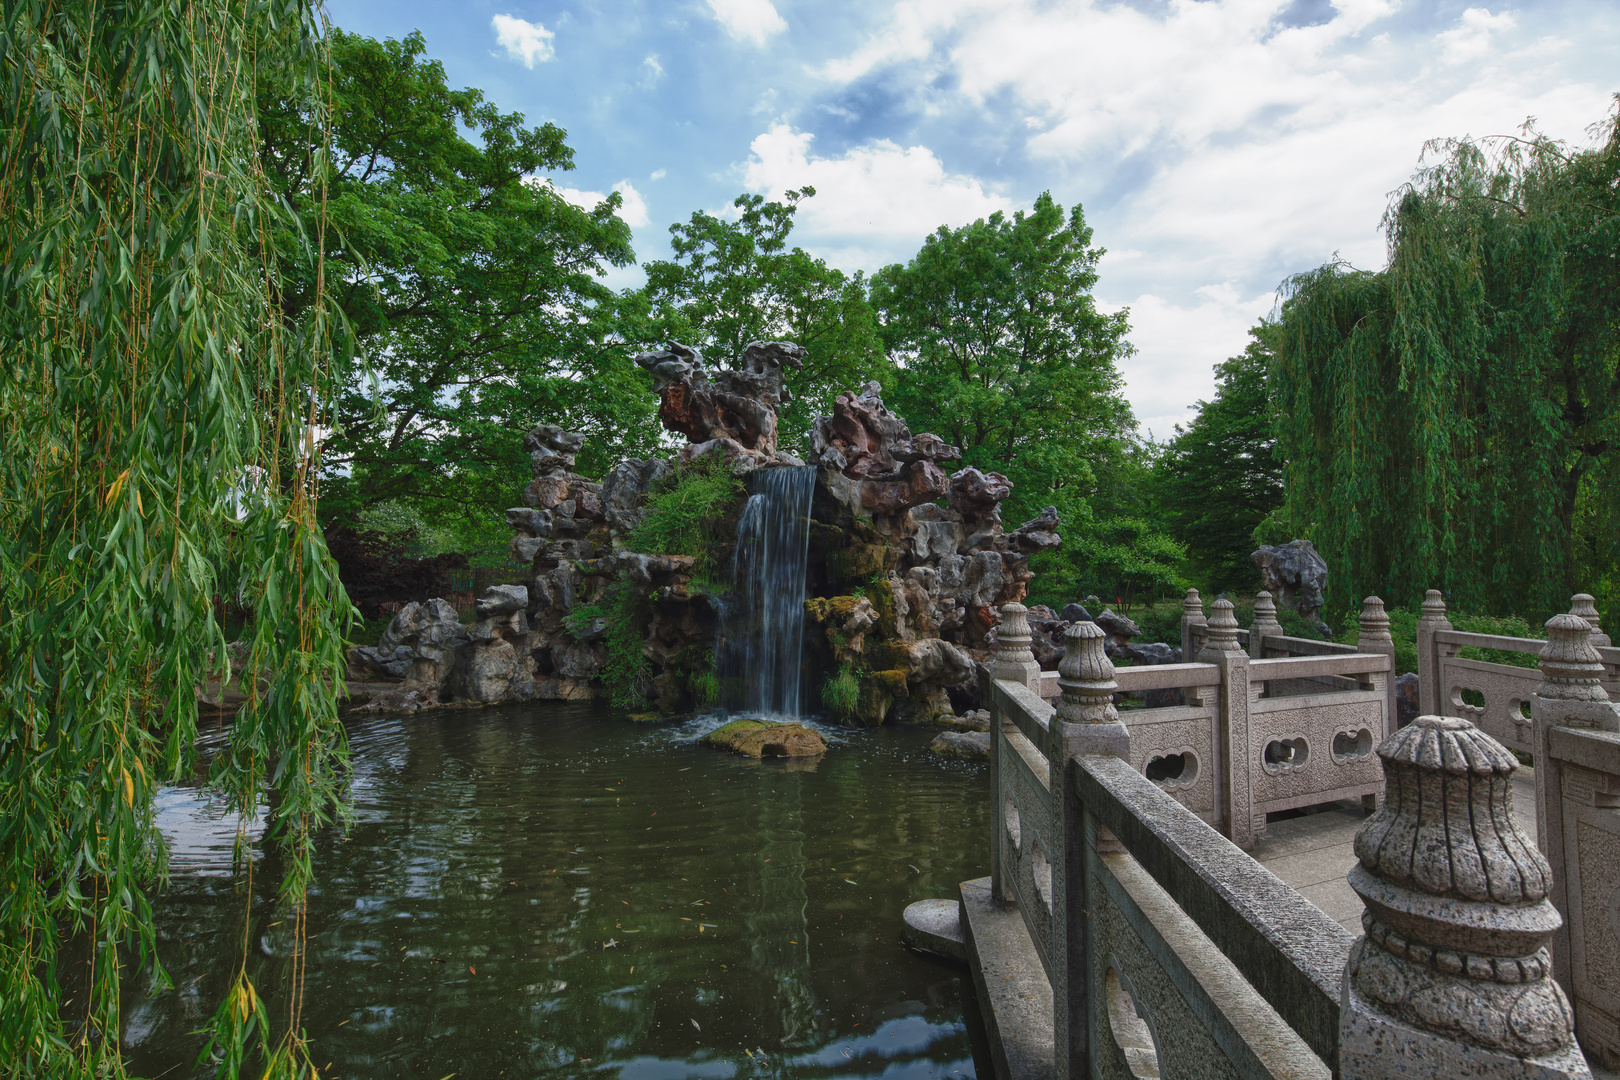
column 1241, row 737
column 1167, row 948
column 1502, row 693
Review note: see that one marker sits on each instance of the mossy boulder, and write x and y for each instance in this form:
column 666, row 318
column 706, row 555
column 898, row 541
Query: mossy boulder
column 861, row 562
column 763, row 738
column 893, row 681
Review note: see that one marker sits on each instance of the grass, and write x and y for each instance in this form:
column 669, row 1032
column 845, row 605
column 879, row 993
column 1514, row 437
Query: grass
column 841, row 693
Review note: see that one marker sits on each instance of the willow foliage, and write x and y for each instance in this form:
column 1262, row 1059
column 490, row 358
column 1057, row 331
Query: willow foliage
column 157, row 414
column 1451, row 421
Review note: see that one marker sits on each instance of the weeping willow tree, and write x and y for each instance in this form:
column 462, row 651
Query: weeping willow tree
column 158, row 421
column 1451, row 421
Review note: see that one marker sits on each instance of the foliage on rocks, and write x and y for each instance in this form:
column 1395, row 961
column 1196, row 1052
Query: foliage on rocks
column 687, row 515
column 158, row 411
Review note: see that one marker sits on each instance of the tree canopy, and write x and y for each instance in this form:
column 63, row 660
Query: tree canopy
column 736, row 281
column 1451, row 421
column 1220, row 476
column 472, row 284
column 1001, row 350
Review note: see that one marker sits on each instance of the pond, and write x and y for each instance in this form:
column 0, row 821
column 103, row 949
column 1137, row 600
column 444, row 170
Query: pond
column 553, row 890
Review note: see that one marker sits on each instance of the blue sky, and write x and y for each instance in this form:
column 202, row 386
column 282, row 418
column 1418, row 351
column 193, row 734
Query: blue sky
column 1217, row 146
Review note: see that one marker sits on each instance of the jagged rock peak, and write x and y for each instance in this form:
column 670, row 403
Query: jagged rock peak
column 674, row 363
column 864, row 440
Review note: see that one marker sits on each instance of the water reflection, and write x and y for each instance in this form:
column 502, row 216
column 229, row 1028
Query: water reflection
column 550, row 890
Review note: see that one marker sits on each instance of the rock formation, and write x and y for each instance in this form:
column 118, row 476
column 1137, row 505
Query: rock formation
column 909, row 564
column 1295, row 574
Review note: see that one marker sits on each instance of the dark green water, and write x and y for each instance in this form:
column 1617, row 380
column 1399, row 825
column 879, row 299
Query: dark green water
column 550, row 890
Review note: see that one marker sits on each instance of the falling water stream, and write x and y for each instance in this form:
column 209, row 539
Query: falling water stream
column 761, row 648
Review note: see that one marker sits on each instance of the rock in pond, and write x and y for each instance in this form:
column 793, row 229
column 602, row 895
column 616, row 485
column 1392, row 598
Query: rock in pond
column 962, row 744
column 763, row 738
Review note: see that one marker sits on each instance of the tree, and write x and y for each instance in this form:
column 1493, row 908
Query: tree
column 471, row 283
column 1000, row 349
column 733, row 282
column 156, row 407
column 1452, row 420
column 1220, row 477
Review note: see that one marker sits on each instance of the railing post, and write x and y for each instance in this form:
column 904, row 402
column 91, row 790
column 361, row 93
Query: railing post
column 1193, row 624
column 1571, row 695
column 1015, row 662
column 1431, row 695
column 1585, row 606
column 1265, row 625
column 1375, row 638
column 1451, row 976
column 1086, row 722
column 1236, row 768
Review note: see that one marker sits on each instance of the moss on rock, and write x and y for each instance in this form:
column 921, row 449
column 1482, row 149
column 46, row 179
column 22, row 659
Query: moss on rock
column 861, row 562
column 763, row 738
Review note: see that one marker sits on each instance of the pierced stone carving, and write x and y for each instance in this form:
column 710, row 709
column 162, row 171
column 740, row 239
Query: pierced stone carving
column 1286, row 755
column 1457, row 914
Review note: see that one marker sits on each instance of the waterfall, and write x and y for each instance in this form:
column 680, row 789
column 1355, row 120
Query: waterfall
column 761, row 647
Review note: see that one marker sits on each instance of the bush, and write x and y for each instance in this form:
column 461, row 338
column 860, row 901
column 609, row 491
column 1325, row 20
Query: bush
column 626, row 674
column 841, row 693
column 684, row 517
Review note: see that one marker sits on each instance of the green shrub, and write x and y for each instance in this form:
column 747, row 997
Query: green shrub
column 683, row 517
column 705, row 686
column 842, row 692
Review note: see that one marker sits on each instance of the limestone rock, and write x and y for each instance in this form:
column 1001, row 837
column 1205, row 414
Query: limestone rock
column 626, row 487
column 484, row 670
column 1406, row 698
column 503, row 600
column 763, row 738
column 419, row 645
column 1075, row 612
column 863, row 440
column 1119, row 629
column 935, row 661
column 972, row 745
column 740, row 405
column 1155, row 652
column 1295, row 574
column 1037, row 534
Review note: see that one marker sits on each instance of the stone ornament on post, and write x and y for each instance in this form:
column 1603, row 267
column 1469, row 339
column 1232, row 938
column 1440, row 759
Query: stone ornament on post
column 1192, row 624
column 1265, row 625
column 1431, row 695
column 1453, row 975
column 1375, row 638
column 1235, row 799
column 1014, row 659
column 1088, row 723
column 1584, row 606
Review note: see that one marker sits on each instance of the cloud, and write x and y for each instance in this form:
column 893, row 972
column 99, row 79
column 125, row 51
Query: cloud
column 654, row 70
column 1226, row 143
column 748, row 20
column 525, row 41
column 658, row 174
column 632, row 211
column 1177, row 347
column 874, row 203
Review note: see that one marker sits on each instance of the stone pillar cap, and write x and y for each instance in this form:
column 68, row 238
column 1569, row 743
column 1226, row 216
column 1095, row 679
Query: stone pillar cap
column 1449, row 744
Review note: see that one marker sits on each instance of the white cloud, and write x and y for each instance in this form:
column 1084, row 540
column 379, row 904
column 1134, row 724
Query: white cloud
column 1471, row 38
column 654, row 70
column 748, row 20
column 873, row 203
column 633, row 210
column 1217, row 144
column 1178, row 346
column 658, row 174
column 524, row 41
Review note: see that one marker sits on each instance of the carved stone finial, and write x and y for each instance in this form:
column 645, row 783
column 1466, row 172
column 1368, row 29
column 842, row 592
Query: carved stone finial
column 1457, row 915
column 1434, row 608
column 1014, row 659
column 1374, row 626
column 1571, row 690
column 1585, row 606
column 1013, row 638
column 1086, row 677
column 1223, row 628
column 1265, row 624
column 1193, row 607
